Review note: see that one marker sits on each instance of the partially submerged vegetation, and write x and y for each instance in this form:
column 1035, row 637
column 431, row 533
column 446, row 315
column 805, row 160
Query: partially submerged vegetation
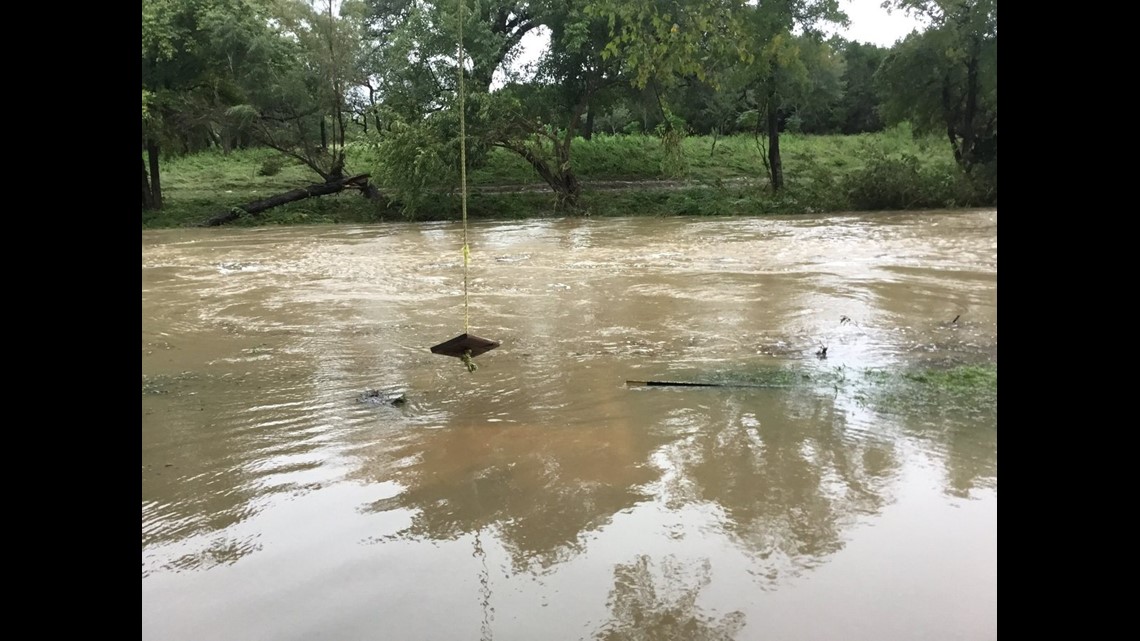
column 965, row 388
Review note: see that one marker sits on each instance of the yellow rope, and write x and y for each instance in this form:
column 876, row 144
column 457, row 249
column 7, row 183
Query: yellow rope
column 463, row 174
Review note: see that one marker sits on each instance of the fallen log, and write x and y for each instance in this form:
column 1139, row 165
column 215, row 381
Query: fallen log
column 359, row 181
column 686, row 384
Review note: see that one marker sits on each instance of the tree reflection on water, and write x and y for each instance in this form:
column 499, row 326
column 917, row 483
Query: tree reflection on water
column 649, row 602
column 786, row 475
column 541, row 489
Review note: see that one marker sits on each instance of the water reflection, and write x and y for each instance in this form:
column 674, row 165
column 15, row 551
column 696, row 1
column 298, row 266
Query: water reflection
column 788, row 487
column 659, row 601
column 541, row 489
column 963, row 441
column 787, row 472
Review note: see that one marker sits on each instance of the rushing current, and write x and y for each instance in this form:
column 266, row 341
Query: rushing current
column 310, row 470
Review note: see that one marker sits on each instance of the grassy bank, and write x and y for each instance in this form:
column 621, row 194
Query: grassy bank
column 889, row 170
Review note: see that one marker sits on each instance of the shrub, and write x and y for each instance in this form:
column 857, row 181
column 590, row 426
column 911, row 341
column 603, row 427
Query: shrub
column 900, row 182
column 271, row 166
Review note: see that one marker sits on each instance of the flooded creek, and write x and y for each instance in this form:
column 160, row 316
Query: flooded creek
column 541, row 497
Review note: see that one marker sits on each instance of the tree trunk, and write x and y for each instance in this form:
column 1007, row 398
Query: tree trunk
column 324, row 136
column 588, row 130
column 774, row 165
column 969, row 134
column 567, row 190
column 155, row 182
column 561, row 180
column 320, row 189
column 147, row 196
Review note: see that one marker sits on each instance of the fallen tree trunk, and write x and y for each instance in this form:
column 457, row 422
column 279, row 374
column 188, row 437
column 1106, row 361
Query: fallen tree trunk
column 319, row 189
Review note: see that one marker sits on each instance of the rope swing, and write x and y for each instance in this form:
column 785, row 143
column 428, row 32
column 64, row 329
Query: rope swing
column 465, row 346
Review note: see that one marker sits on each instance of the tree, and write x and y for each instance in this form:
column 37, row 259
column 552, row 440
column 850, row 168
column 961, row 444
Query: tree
column 198, row 58
column 859, row 107
column 171, row 64
column 151, row 192
column 663, row 42
column 779, row 73
column 538, row 121
column 945, row 78
column 816, row 108
column 426, row 30
column 414, row 79
column 276, row 72
column 299, row 106
column 578, row 72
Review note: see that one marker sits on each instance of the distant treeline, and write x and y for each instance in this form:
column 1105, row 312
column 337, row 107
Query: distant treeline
column 307, row 78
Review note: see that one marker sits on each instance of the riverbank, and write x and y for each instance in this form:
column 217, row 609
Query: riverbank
column 620, row 176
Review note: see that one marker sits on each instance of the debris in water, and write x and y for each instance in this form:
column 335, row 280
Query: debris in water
column 376, row 397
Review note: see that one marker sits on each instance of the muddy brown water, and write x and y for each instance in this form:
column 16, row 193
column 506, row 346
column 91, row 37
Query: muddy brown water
column 540, row 497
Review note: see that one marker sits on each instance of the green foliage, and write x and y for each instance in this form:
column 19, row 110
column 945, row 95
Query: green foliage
column 619, row 157
column 604, row 157
column 661, row 42
column 240, row 75
column 416, row 43
column 944, row 79
column 196, row 57
column 615, row 121
column 271, row 166
column 815, row 102
column 858, row 110
column 903, row 182
column 417, row 158
column 230, row 73
column 748, row 120
column 887, row 183
column 203, row 184
column 814, row 186
column 672, row 134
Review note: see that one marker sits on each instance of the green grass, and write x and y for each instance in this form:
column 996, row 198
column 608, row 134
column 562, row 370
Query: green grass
column 640, row 157
column 887, row 170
